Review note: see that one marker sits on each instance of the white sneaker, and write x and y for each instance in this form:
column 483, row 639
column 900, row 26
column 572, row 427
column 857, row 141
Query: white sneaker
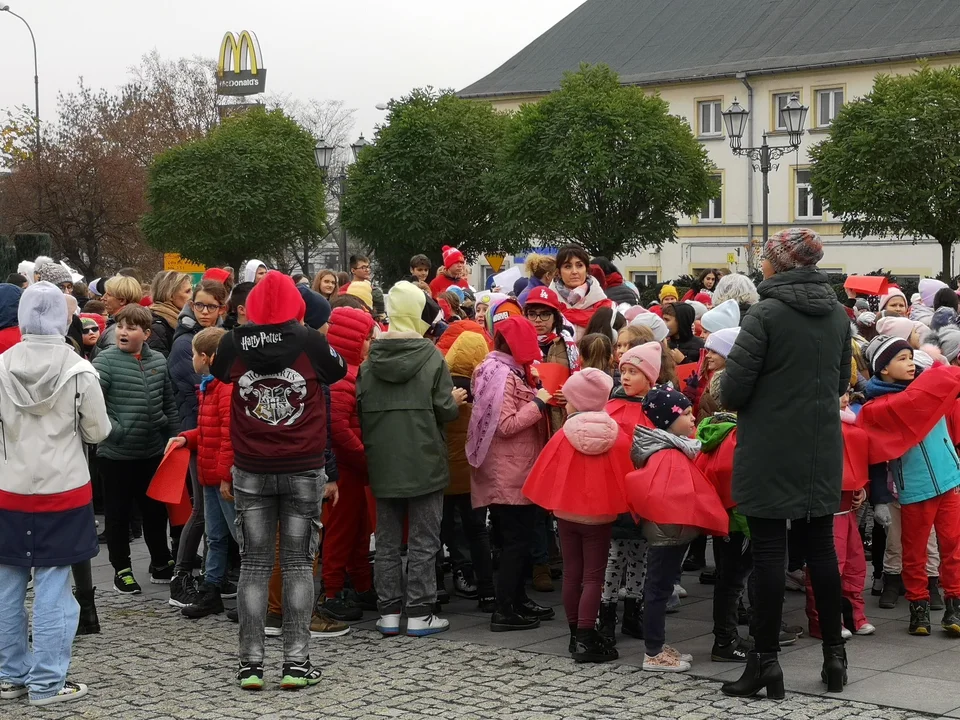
column 679, row 591
column 389, row 624
column 665, row 662
column 845, row 634
column 683, row 657
column 426, row 625
column 796, row 581
column 9, row 691
column 69, row 691
column 866, row 629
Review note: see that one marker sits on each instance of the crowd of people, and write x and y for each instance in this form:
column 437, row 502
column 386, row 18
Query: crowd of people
column 555, row 429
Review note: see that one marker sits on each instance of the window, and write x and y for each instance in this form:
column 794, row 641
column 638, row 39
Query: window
column 809, row 206
column 713, row 210
column 644, row 278
column 780, row 101
column 711, row 121
column 829, row 103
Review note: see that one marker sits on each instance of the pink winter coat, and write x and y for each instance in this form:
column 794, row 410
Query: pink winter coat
column 520, row 436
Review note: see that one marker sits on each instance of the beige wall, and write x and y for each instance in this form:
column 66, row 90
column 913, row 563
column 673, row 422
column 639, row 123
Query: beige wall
column 707, row 244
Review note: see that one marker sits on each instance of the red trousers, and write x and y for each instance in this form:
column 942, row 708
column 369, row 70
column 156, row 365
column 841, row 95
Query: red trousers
column 853, row 571
column 346, row 541
column 943, row 514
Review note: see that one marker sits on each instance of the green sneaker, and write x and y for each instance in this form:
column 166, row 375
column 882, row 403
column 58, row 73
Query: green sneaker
column 299, row 675
column 250, row 676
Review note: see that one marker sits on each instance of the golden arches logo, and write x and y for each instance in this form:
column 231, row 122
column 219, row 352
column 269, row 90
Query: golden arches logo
column 243, row 49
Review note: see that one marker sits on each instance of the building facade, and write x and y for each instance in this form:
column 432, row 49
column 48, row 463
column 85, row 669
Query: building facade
column 699, row 82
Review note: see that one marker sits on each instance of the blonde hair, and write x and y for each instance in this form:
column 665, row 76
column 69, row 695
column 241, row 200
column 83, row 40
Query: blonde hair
column 636, row 335
column 320, row 276
column 124, row 288
column 539, row 265
column 207, row 340
column 166, row 283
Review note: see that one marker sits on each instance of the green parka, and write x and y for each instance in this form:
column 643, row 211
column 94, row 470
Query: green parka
column 784, row 377
column 140, row 403
column 404, row 401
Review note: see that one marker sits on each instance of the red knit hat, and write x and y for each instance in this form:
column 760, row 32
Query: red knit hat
column 275, row 300
column 543, row 296
column 98, row 319
column 451, row 256
column 217, row 274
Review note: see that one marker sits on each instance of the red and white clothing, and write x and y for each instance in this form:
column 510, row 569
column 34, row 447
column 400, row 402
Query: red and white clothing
column 581, row 303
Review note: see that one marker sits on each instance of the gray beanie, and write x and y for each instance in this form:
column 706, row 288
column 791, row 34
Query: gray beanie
column 43, row 310
column 948, row 340
column 54, row 274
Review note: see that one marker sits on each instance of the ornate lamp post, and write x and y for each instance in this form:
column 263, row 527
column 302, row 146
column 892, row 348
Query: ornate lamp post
column 763, row 157
column 323, row 154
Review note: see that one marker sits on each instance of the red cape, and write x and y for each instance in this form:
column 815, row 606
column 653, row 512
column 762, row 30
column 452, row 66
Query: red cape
column 671, row 490
column 856, row 446
column 899, row 421
column 568, row 481
column 717, row 466
column 582, row 317
column 628, row 414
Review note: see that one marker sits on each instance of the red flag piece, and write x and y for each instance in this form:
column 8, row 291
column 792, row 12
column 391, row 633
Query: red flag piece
column 686, row 370
column 867, row 284
column 169, row 482
column 552, row 376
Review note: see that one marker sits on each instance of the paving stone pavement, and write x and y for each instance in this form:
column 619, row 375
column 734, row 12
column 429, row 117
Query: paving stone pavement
column 151, row 664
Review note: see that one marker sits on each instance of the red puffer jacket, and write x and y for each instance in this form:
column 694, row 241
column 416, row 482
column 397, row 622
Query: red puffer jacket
column 349, row 328
column 211, row 438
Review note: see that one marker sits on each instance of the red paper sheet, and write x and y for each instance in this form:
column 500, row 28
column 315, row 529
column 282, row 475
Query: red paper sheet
column 686, row 370
column 552, row 377
column 867, row 284
column 169, row 482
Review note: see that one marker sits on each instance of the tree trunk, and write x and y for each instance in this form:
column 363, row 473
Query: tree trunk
column 946, row 245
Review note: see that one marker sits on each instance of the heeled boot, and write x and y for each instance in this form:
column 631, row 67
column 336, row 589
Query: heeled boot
column 607, row 623
column 762, row 672
column 632, row 625
column 89, row 623
column 834, row 672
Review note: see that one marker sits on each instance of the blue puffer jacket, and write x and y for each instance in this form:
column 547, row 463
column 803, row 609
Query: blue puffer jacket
column 180, row 365
column 930, row 468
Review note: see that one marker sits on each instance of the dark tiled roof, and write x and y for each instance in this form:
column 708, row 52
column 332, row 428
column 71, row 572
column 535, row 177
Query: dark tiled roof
column 659, row 41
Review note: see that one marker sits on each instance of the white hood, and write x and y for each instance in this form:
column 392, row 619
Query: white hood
column 33, row 378
column 250, row 270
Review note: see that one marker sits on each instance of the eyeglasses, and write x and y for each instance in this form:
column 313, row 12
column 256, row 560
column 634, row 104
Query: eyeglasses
column 534, row 315
column 362, row 267
column 203, row 307
column 90, row 331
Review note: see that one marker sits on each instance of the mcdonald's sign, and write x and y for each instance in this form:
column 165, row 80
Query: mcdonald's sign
column 239, row 66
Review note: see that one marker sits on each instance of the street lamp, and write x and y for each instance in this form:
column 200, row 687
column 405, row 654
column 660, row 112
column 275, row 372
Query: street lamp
column 36, row 100
column 323, row 155
column 735, row 120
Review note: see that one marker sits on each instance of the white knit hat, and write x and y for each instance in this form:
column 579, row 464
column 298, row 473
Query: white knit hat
column 722, row 341
column 698, row 308
column 891, row 293
column 654, row 322
column 43, row 310
column 929, row 287
column 724, row 315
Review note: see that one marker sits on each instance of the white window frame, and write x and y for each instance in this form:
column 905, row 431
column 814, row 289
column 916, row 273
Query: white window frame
column 714, row 207
column 652, row 277
column 807, row 190
column 827, row 97
column 716, row 119
column 777, row 126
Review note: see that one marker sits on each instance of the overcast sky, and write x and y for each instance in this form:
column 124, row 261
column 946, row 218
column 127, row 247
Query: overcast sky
column 362, row 52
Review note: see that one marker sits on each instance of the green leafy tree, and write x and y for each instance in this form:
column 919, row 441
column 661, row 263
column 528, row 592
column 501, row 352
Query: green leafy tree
column 600, row 164
column 250, row 188
column 421, row 185
column 890, row 166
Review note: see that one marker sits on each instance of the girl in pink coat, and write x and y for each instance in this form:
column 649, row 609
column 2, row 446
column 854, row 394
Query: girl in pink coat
column 508, row 429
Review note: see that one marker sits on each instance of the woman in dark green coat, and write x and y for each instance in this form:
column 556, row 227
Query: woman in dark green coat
column 784, row 376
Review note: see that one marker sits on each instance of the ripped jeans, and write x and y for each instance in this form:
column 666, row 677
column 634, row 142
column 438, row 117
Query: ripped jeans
column 263, row 501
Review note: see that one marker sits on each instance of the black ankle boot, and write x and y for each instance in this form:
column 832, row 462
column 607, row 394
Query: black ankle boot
column 762, row 671
column 834, row 672
column 572, row 647
column 590, row 647
column 89, row 623
column 607, row 623
column 632, row 625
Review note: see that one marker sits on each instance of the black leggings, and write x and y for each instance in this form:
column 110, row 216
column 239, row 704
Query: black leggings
column 516, row 528
column 815, row 537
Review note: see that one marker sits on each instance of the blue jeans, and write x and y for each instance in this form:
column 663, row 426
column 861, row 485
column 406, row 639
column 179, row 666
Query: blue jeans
column 55, row 613
column 263, row 502
column 663, row 565
column 220, row 518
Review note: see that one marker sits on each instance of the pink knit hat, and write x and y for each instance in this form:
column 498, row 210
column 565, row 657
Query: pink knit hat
column 646, row 358
column 588, row 390
column 896, row 327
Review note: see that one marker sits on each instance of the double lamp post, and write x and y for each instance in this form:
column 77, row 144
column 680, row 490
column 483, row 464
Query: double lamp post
column 762, row 158
column 323, row 154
